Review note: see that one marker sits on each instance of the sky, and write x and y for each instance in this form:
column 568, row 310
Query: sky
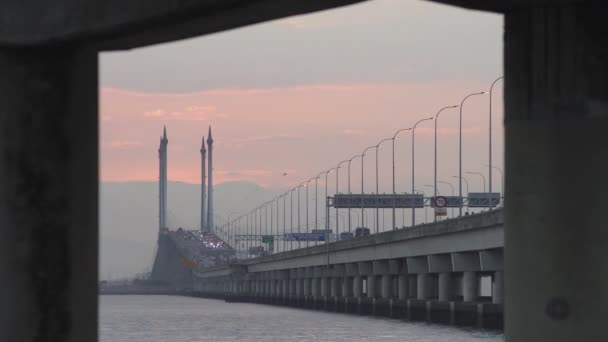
column 298, row 95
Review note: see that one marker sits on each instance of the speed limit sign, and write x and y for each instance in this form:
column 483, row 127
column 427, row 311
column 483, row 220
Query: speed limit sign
column 440, row 201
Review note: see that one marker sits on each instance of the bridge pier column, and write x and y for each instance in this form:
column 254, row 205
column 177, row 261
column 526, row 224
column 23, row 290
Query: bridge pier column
column 307, row 282
column 371, row 286
column 292, row 288
column 259, row 287
column 347, row 287
column 315, row 287
column 422, row 285
column 387, row 286
column 402, row 285
column 324, row 286
column 285, row 289
column 357, row 287
column 497, row 287
column 334, row 287
column 300, row 287
column 469, row 286
column 445, row 286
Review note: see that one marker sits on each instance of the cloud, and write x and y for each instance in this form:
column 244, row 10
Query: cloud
column 189, row 113
column 155, row 113
column 121, row 144
column 358, row 132
column 268, row 138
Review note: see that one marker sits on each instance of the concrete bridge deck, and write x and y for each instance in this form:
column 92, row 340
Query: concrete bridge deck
column 430, row 272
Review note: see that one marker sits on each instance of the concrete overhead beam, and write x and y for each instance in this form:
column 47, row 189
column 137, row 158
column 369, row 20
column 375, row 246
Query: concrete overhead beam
column 301, row 272
column 502, row 6
column 466, row 261
column 439, row 263
column 380, row 267
column 366, row 268
column 417, row 265
column 352, row 269
column 119, row 24
column 491, row 260
column 394, row 266
column 338, row 270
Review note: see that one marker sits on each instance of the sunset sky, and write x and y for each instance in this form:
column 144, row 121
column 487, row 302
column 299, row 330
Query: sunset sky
column 299, row 95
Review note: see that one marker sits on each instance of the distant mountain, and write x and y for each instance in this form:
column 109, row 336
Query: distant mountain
column 129, row 217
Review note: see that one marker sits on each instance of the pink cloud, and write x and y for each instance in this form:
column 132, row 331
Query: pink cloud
column 122, row 144
column 269, row 131
column 359, row 132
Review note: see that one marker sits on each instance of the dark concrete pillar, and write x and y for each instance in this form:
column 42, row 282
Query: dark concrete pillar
column 357, row 286
column 445, row 286
column 498, row 287
column 387, row 286
column 422, row 286
column 469, row 286
column 48, row 194
column 556, row 119
column 403, row 284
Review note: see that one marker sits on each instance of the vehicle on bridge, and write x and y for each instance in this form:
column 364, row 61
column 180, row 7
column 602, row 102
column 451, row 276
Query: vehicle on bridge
column 361, row 231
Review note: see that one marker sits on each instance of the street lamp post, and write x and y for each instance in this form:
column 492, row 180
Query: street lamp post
column 284, row 220
column 291, row 217
column 338, row 167
column 490, row 143
column 413, row 165
column 327, row 207
column 460, row 147
column 394, row 192
column 435, row 164
column 362, row 188
column 307, row 202
column 349, row 193
column 377, row 186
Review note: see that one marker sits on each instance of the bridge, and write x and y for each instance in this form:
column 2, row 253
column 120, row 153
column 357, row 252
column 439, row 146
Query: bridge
column 428, row 272
column 555, row 124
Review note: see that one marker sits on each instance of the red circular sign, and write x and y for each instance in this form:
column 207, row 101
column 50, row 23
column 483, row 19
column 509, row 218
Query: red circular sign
column 441, row 201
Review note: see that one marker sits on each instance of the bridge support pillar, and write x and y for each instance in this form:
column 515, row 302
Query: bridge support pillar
column 357, row 287
column 334, row 287
column 387, row 286
column 469, row 286
column 285, row 289
column 300, row 287
column 307, row 287
column 497, row 287
column 371, row 286
column 422, row 285
column 292, row 288
column 402, row 285
column 315, row 287
column 445, row 286
column 347, row 287
column 324, row 287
